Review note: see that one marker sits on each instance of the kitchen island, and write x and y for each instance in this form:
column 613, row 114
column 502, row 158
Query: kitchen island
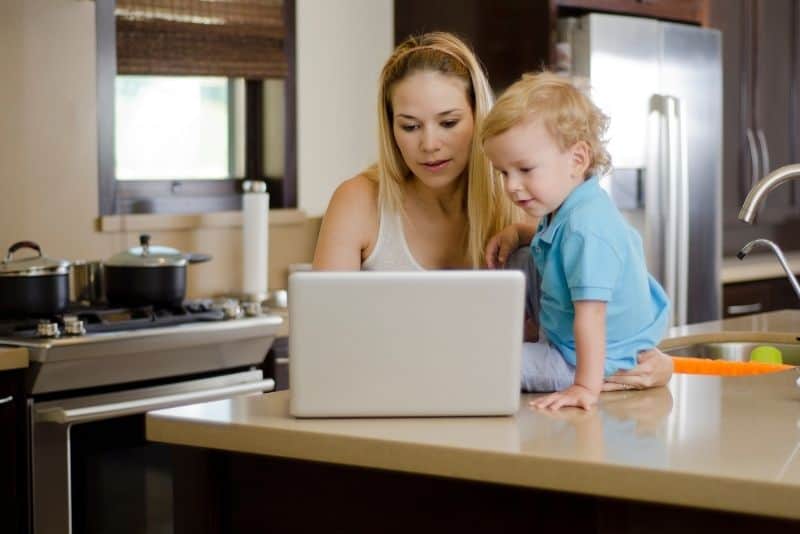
column 704, row 453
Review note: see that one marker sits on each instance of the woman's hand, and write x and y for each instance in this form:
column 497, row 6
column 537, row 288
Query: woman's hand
column 500, row 247
column 654, row 369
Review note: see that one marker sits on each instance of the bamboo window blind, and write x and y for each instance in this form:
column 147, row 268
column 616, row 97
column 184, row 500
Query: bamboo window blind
column 232, row 38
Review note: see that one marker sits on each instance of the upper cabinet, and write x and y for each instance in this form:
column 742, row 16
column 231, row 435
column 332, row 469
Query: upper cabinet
column 515, row 36
column 691, row 11
column 761, row 130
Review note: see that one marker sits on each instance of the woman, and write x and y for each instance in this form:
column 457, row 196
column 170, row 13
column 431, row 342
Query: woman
column 432, row 201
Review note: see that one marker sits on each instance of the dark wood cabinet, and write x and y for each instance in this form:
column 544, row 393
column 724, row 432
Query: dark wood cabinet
column 510, row 37
column 13, row 458
column 760, row 124
column 691, row 11
column 758, row 296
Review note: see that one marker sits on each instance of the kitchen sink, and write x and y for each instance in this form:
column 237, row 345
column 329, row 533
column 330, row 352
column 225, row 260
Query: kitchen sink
column 736, row 351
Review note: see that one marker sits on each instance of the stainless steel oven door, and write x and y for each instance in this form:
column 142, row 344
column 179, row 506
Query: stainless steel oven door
column 102, row 436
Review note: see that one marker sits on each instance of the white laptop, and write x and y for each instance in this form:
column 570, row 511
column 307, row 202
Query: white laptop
column 436, row 343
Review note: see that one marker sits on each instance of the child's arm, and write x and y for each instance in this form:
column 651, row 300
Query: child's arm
column 506, row 241
column 590, row 346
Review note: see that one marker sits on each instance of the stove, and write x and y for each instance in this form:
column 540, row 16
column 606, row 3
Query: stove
column 95, row 372
column 99, row 346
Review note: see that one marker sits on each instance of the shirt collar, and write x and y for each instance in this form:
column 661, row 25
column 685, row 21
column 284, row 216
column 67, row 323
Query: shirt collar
column 587, row 190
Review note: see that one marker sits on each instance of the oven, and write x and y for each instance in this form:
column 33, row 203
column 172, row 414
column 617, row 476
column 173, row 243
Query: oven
column 91, row 469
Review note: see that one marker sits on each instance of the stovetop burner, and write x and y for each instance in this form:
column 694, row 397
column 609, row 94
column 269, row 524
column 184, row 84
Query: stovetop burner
column 113, row 319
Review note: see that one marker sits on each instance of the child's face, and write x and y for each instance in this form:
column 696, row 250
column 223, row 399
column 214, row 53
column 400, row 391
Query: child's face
column 537, row 175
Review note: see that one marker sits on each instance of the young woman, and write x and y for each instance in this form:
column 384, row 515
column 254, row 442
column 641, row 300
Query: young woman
column 433, row 200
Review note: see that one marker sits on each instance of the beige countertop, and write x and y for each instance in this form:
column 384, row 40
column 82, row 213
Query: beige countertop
column 718, row 443
column 13, row 358
column 757, row 266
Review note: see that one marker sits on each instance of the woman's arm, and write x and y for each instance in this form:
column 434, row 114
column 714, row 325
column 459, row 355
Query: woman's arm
column 590, row 346
column 349, row 226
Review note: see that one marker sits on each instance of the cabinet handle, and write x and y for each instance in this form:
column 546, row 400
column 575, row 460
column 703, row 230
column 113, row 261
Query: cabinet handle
column 754, row 159
column 6, row 400
column 762, row 140
column 741, row 309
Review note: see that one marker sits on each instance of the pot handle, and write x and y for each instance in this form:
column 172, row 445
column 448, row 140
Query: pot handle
column 196, row 257
column 22, row 244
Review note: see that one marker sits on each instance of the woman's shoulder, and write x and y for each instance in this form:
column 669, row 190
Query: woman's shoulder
column 355, row 204
column 361, row 188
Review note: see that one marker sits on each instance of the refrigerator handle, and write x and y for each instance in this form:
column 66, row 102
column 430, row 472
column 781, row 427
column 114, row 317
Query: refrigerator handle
column 754, row 159
column 682, row 232
column 668, row 167
column 762, row 141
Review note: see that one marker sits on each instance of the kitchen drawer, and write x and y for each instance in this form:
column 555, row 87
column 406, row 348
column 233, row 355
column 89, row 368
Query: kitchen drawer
column 758, row 296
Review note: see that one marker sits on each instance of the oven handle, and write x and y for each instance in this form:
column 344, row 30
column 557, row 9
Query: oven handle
column 116, row 409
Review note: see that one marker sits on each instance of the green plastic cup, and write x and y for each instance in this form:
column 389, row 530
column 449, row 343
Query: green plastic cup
column 766, row 354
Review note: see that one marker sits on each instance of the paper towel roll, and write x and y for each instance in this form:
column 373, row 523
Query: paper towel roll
column 255, row 240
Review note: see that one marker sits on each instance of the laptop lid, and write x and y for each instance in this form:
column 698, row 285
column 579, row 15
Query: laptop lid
column 430, row 343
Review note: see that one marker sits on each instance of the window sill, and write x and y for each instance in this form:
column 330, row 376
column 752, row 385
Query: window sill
column 222, row 219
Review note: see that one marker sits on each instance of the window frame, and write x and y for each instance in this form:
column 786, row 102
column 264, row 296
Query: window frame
column 121, row 197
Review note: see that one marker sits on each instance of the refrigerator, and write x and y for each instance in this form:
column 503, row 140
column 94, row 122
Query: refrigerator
column 661, row 85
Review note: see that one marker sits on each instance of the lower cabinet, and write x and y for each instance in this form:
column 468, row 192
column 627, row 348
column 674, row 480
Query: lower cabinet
column 13, row 459
column 745, row 298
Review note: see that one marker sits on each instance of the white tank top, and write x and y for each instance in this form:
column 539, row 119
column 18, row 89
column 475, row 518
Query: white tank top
column 391, row 252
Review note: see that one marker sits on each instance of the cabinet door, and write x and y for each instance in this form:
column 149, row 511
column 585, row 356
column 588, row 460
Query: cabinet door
column 772, row 99
column 728, row 17
column 12, row 505
column 691, row 11
column 510, row 37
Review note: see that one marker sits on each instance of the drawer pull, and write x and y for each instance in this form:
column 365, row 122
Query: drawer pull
column 741, row 309
column 6, row 400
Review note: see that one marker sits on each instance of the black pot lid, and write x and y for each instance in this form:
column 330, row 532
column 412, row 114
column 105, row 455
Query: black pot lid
column 147, row 255
column 38, row 265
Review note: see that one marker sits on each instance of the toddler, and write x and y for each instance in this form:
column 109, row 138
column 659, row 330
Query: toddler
column 599, row 307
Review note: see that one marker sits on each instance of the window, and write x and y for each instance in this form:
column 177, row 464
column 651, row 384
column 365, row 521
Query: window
column 193, row 97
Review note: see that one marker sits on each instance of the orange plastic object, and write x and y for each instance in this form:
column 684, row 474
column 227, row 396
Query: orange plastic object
column 704, row 366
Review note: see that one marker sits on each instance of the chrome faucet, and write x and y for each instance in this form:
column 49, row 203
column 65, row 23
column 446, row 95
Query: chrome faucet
column 762, row 188
column 781, row 258
column 750, row 207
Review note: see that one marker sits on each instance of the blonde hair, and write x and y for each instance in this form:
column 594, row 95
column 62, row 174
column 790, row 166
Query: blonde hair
column 568, row 114
column 488, row 209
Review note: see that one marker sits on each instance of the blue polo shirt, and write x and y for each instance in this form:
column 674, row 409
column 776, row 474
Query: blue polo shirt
column 588, row 251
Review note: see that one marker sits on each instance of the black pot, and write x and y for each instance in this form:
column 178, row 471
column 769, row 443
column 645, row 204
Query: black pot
column 33, row 287
column 148, row 275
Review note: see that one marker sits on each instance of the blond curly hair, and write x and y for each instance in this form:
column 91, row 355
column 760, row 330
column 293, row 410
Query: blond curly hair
column 566, row 112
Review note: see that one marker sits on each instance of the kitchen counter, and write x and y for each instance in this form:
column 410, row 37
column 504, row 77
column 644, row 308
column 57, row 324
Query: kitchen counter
column 724, row 444
column 13, row 358
column 757, row 266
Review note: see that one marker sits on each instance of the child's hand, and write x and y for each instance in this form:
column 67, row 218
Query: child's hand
column 575, row 395
column 500, row 246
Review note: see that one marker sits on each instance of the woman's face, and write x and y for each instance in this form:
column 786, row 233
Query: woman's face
column 433, row 126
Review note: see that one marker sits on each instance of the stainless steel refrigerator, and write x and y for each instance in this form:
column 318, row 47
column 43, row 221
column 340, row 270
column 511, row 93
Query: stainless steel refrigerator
column 661, row 85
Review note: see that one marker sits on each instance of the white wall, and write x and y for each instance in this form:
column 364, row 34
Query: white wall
column 48, row 156
column 341, row 47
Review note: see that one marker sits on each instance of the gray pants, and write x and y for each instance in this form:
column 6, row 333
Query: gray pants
column 543, row 367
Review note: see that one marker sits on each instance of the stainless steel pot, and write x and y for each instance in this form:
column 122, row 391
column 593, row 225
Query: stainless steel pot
column 86, row 282
column 36, row 286
column 148, row 274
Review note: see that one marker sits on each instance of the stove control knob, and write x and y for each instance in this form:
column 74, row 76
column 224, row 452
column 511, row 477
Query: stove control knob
column 74, row 326
column 47, row 329
column 252, row 309
column 231, row 309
